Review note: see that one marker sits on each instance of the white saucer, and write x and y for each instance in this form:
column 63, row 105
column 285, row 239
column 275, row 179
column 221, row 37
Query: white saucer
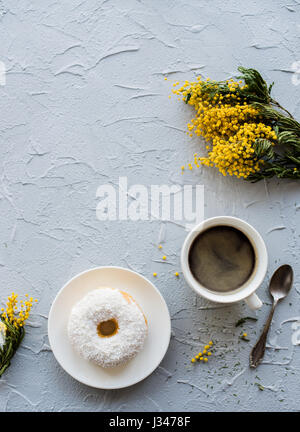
column 153, row 306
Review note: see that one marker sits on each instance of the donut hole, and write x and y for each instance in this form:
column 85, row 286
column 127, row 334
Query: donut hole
column 107, row 328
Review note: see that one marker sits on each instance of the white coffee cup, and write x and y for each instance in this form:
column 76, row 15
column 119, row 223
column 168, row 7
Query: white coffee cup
column 247, row 290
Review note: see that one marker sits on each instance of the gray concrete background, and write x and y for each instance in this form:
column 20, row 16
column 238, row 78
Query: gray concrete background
column 85, row 101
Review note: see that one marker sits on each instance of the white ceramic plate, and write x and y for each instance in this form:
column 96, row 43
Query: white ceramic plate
column 154, row 308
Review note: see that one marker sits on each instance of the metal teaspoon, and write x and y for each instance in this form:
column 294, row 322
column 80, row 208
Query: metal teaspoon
column 280, row 285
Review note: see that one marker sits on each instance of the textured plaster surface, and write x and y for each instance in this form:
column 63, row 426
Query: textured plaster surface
column 85, row 101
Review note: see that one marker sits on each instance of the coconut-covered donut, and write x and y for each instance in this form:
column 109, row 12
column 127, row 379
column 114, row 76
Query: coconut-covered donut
column 107, row 327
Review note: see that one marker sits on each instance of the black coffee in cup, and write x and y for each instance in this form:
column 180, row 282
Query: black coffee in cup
column 221, row 258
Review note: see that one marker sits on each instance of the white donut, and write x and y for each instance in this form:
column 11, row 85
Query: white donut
column 107, row 327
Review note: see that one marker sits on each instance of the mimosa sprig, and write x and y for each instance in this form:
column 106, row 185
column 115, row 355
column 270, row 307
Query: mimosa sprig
column 248, row 133
column 12, row 331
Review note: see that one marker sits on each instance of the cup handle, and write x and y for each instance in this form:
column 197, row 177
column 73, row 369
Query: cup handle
column 253, row 301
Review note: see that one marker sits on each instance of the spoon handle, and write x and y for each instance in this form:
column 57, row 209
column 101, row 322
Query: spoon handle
column 258, row 350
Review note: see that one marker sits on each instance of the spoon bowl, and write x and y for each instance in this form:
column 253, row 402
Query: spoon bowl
column 281, row 282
